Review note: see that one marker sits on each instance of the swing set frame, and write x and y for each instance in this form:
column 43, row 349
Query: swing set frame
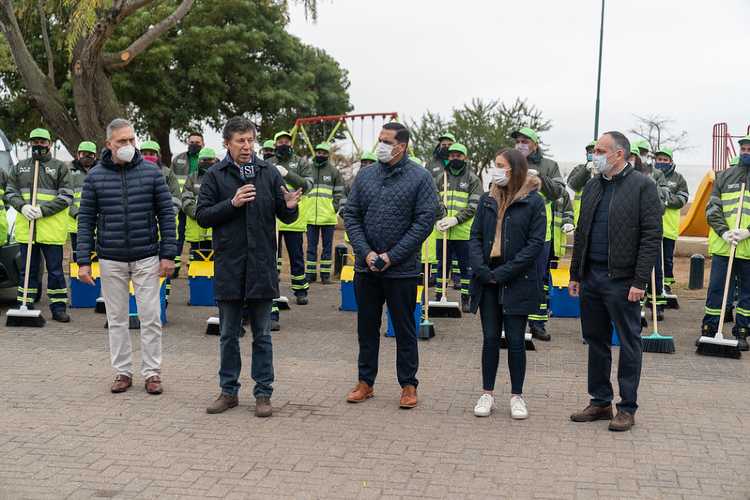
column 341, row 125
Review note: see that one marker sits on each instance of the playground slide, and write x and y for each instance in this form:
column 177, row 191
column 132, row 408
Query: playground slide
column 694, row 223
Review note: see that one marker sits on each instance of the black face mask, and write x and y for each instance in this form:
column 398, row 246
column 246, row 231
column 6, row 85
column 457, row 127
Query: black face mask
column 456, row 166
column 284, row 152
column 204, row 166
column 441, row 152
column 320, row 161
column 86, row 161
column 39, row 152
column 268, row 155
column 194, row 149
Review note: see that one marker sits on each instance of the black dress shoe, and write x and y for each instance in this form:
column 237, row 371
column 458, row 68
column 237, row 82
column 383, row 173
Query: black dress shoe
column 61, row 316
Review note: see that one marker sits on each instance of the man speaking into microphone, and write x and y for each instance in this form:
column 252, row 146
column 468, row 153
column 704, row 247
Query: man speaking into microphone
column 240, row 199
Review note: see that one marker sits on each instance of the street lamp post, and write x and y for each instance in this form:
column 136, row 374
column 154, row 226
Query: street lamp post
column 599, row 76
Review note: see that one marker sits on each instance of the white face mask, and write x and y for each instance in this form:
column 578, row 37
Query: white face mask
column 384, row 152
column 126, row 153
column 500, row 178
column 523, row 148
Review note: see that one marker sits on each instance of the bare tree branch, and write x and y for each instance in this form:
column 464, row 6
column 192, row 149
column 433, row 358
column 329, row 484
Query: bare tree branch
column 125, row 57
column 45, row 37
column 656, row 130
column 130, row 7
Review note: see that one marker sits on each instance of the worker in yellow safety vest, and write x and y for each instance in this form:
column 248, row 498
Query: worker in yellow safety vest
column 463, row 190
column 676, row 197
column 326, row 195
column 197, row 236
column 54, row 198
column 84, row 160
column 527, row 142
column 721, row 214
column 578, row 178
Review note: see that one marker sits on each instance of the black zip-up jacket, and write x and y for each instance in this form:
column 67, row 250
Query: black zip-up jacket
column 244, row 238
column 131, row 210
column 634, row 227
column 523, row 231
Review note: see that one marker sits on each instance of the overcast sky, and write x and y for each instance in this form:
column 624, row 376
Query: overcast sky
column 679, row 59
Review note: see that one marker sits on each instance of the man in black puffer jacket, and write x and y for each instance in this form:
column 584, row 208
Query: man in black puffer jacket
column 390, row 211
column 125, row 201
column 616, row 246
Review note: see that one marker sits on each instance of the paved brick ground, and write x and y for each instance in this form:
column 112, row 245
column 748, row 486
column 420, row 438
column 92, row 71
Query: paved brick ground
column 63, row 435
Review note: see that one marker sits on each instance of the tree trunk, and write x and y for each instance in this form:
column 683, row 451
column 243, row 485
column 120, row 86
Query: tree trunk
column 95, row 102
column 160, row 134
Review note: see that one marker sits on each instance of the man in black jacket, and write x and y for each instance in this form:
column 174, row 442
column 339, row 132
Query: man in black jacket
column 126, row 206
column 240, row 198
column 616, row 246
column 390, row 211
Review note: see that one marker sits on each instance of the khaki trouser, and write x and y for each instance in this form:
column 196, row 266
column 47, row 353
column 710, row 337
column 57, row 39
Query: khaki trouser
column 115, row 290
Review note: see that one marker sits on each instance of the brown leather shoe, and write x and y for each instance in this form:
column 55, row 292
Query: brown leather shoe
column 623, row 421
column 263, row 407
column 222, row 404
column 592, row 413
column 153, row 385
column 121, row 384
column 361, row 392
column 408, row 397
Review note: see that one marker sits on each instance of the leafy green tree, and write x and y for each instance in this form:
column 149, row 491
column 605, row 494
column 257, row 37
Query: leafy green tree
column 168, row 64
column 483, row 127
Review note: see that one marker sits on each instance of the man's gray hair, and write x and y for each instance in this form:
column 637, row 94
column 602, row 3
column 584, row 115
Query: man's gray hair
column 621, row 142
column 117, row 124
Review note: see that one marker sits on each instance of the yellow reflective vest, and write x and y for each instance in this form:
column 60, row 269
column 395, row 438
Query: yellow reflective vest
column 54, row 197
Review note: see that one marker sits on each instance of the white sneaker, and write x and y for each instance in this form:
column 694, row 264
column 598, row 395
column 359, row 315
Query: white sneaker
column 484, row 406
column 518, row 409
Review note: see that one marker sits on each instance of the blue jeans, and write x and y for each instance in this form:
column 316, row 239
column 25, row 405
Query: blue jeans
column 230, row 320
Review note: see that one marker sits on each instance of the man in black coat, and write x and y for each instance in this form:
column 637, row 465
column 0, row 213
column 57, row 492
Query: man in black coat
column 616, row 246
column 390, row 211
column 240, row 198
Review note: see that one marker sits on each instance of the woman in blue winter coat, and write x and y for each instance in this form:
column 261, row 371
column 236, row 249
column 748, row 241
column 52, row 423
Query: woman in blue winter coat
column 507, row 236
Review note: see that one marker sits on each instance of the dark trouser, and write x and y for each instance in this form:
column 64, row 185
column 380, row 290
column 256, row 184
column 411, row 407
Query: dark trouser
column 204, row 247
column 313, row 233
column 293, row 241
column 493, row 323
column 57, row 289
column 73, row 247
column 668, row 260
column 230, row 321
column 605, row 301
column 460, row 251
column 542, row 269
column 399, row 295
column 181, row 224
column 741, row 270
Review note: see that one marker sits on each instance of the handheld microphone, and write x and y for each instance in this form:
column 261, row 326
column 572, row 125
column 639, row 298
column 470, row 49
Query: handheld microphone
column 248, row 173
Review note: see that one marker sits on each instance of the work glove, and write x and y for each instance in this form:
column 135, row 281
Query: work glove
column 568, row 228
column 446, row 223
column 31, row 212
column 534, row 172
column 740, row 234
column 282, row 170
column 592, row 168
column 728, row 236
